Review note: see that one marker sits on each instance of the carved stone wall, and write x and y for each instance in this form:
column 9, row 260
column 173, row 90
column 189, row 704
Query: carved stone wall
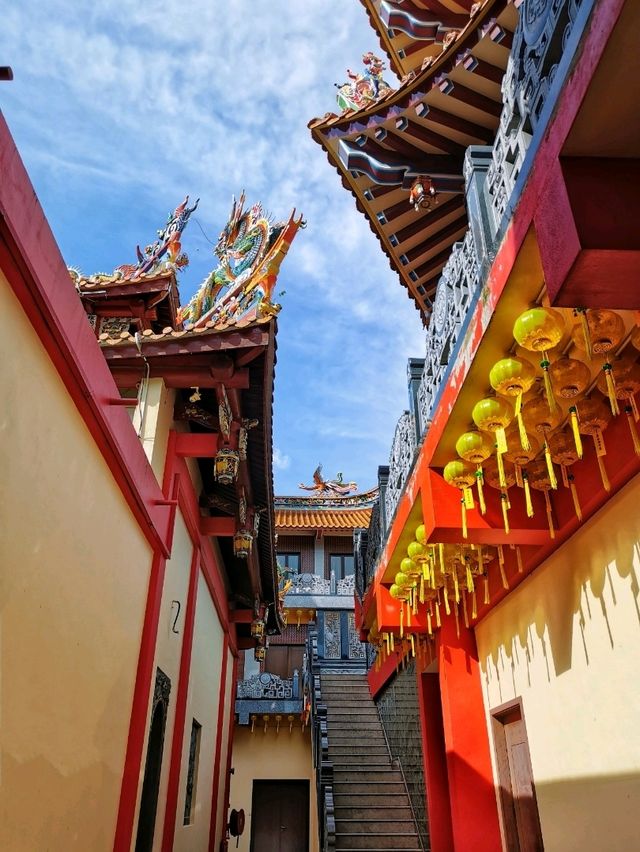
column 540, row 42
column 400, row 461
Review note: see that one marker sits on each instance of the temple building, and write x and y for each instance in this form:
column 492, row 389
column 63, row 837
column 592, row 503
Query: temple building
column 138, row 532
column 276, row 765
column 497, row 582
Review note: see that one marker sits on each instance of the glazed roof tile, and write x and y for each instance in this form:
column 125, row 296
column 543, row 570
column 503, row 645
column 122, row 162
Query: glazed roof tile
column 334, row 519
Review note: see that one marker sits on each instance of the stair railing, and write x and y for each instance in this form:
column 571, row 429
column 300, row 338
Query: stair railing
column 320, row 747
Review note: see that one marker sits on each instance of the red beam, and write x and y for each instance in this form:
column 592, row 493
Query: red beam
column 195, row 445
column 220, row 527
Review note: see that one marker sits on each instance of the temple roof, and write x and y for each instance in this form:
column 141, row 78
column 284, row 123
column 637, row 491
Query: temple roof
column 318, row 518
column 423, row 129
column 411, row 31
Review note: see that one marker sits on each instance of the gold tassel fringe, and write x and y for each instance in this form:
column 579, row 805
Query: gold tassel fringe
column 550, row 470
column 575, row 428
column 611, row 388
column 547, row 501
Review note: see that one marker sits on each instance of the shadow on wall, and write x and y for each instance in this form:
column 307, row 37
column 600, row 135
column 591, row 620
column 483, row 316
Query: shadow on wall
column 590, row 577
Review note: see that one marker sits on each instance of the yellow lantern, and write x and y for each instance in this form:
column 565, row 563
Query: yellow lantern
column 421, row 534
column 627, row 385
column 398, row 593
column 539, row 417
column 501, row 480
column 539, row 479
column 569, row 377
column 404, row 581
column 539, row 330
column 242, row 542
column 601, row 333
column 410, row 568
column 225, row 465
column 520, row 458
column 476, row 447
column 594, row 417
column 512, row 377
column 493, row 414
column 563, row 452
column 461, row 475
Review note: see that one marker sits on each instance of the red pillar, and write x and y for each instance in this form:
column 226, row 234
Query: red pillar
column 435, row 763
column 474, row 812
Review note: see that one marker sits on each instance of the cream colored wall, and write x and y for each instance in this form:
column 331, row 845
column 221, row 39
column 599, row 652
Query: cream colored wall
column 74, row 572
column 156, row 413
column 568, row 642
column 168, row 651
column 271, row 756
column 229, row 705
column 202, row 705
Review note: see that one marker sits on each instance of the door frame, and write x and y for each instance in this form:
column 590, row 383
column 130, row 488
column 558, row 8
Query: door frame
column 303, row 782
column 500, row 717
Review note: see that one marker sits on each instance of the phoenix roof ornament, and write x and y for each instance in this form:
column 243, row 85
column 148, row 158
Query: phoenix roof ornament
column 329, row 487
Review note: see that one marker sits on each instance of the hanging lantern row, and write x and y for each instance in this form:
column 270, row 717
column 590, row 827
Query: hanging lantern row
column 423, row 194
column 242, row 542
column 512, row 435
column 225, row 465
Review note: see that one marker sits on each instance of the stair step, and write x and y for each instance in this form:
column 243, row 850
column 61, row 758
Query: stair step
column 375, row 826
column 379, row 813
column 349, row 787
column 364, row 774
column 382, row 841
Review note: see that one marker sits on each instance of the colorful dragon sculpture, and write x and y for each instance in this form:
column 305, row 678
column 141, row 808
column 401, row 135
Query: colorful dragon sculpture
column 362, row 90
column 250, row 250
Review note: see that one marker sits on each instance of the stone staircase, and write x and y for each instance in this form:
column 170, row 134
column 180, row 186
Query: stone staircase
column 371, row 805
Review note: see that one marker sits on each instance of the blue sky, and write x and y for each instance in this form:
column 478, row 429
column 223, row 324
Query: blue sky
column 121, row 107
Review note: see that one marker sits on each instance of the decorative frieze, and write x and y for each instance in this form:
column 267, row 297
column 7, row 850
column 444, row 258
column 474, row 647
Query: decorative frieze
column 267, row 686
column 400, row 461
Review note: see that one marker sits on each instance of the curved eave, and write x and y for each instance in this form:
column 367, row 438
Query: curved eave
column 405, row 53
column 424, row 128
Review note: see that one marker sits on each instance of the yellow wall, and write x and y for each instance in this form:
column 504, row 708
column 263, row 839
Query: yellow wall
column 202, row 705
column 229, row 705
column 168, row 651
column 271, row 756
column 74, row 571
column 156, row 412
column 568, row 642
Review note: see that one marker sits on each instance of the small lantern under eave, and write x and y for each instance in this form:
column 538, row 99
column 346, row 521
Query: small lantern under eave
column 462, row 475
column 540, row 329
column 513, row 377
column 423, row 194
column 242, row 542
column 260, row 654
column 257, row 628
column 225, row 467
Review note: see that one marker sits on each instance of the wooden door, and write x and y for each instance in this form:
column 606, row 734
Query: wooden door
column 280, row 816
column 520, row 817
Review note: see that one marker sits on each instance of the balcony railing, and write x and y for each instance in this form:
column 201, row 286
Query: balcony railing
column 268, row 694
column 544, row 47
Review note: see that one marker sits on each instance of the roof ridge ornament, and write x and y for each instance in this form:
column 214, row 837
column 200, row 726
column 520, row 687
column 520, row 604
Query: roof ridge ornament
column 363, row 89
column 330, row 487
column 250, row 249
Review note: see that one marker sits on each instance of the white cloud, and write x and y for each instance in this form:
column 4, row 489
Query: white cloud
column 121, row 110
column 280, row 460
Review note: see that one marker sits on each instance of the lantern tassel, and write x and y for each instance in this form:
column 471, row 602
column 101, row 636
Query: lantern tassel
column 527, row 495
column 524, row 438
column 455, row 610
column 438, row 622
column 474, row 605
column 633, row 430
column 413, row 646
column 503, row 576
column 505, row 513
column 552, row 474
column 470, row 586
column 582, row 313
column 479, row 483
column 501, row 476
column 487, row 598
column 429, row 625
column 547, row 501
column 414, row 608
column 519, row 560
column 464, row 611
column 548, row 390
column 422, row 589
column 611, row 388
column 465, row 532
column 575, row 428
column 392, row 638
column 401, row 620
column 447, row 609
column 575, row 498
column 603, row 474
column 634, row 408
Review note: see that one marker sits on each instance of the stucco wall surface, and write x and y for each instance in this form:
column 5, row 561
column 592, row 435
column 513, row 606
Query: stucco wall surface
column 271, row 756
column 567, row 641
column 74, row 572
